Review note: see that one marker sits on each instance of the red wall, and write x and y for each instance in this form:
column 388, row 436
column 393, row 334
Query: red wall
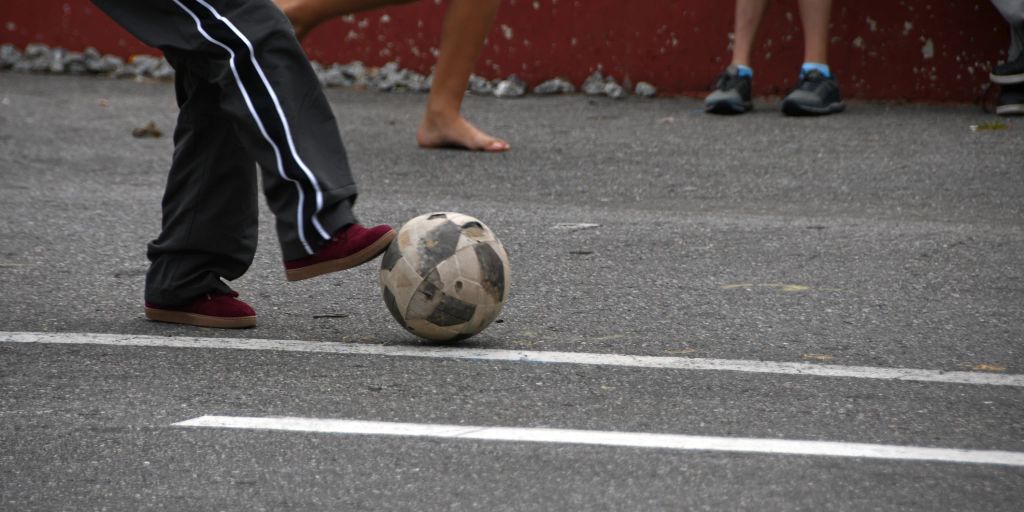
column 931, row 50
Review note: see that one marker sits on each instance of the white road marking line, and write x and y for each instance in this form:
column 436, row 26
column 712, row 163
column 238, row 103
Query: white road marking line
column 527, row 356
column 628, row 439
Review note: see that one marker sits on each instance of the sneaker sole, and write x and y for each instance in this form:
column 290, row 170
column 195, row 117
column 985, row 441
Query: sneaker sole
column 795, row 109
column 729, row 109
column 218, row 322
column 325, row 267
column 1010, row 110
column 1007, row 79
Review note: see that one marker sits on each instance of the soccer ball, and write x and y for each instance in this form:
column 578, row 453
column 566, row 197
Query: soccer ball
column 445, row 277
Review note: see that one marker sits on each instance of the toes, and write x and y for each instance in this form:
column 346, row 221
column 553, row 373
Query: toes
column 496, row 146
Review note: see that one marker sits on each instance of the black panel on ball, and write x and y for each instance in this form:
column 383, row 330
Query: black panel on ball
column 493, row 271
column 437, row 245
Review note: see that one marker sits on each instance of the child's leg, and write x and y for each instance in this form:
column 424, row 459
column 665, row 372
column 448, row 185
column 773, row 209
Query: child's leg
column 814, row 16
column 748, row 18
column 1013, row 12
column 466, row 25
column 306, row 15
column 210, row 203
column 465, row 28
column 248, row 49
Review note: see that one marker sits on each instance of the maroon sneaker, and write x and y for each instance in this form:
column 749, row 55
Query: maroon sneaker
column 221, row 311
column 350, row 247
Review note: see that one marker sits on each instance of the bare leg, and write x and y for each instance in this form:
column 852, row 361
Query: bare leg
column 466, row 25
column 748, row 19
column 814, row 15
column 306, row 15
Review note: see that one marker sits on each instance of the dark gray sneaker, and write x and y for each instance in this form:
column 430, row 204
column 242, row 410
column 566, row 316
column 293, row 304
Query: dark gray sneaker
column 1011, row 100
column 731, row 94
column 815, row 95
column 1009, row 73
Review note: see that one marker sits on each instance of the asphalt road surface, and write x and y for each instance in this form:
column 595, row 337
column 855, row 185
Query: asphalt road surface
column 707, row 313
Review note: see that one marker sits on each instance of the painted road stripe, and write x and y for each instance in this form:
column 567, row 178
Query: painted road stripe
column 525, row 356
column 629, row 439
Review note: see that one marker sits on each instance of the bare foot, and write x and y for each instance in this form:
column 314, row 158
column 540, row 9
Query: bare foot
column 456, row 132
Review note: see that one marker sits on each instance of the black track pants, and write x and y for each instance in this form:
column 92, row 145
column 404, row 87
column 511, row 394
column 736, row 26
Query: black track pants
column 248, row 96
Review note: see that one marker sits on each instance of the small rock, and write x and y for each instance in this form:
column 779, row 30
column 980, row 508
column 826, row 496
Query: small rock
column 511, row 87
column 334, row 76
column 427, row 83
column 38, row 57
column 555, row 86
column 163, row 70
column 142, row 65
column 356, row 72
column 150, row 130
column 387, row 77
column 36, row 51
column 40, row 65
column 124, row 71
column 56, row 64
column 108, row 64
column 391, row 77
column 385, row 83
column 9, row 56
column 480, row 85
column 594, row 84
column 412, row 81
column 613, row 90
column 74, row 63
column 645, row 90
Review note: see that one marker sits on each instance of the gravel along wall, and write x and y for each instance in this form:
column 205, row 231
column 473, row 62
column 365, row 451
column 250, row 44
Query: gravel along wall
column 918, row 50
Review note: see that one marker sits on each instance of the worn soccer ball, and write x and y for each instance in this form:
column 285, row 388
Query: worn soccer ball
column 445, row 277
